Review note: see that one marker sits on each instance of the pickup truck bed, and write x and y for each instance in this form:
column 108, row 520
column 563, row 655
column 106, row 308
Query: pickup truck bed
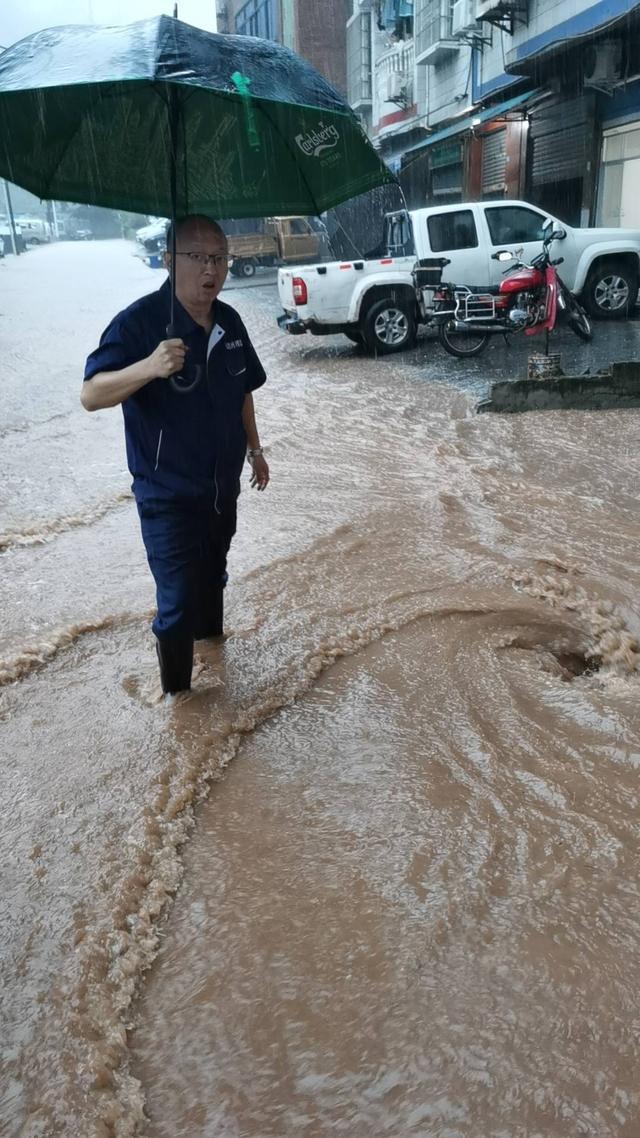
column 253, row 245
column 327, row 298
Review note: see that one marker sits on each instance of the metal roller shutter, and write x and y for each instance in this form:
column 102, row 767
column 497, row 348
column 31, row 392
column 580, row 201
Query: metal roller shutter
column 560, row 137
column 494, row 162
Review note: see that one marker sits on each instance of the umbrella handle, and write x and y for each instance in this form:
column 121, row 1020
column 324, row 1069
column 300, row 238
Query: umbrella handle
column 178, row 382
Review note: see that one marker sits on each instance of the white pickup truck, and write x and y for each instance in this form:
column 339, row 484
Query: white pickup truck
column 373, row 300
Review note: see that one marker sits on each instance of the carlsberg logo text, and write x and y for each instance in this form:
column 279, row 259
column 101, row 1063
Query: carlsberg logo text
column 314, row 142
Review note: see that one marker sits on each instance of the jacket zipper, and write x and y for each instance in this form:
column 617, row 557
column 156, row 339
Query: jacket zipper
column 158, row 451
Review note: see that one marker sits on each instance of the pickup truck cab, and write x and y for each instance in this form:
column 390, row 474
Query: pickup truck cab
column 374, row 300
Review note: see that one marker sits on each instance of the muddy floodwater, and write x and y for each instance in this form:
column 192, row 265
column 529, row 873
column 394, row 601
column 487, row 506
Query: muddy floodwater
column 378, row 875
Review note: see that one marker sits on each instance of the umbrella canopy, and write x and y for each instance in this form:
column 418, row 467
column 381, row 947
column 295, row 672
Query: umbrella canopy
column 162, row 118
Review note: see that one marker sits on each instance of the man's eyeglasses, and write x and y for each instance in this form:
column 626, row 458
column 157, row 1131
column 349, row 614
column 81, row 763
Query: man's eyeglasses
column 203, row 260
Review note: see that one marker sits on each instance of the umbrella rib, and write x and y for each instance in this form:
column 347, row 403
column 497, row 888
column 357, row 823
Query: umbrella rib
column 163, row 93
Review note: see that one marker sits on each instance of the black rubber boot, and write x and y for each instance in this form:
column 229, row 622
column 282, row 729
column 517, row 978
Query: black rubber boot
column 211, row 617
column 176, row 664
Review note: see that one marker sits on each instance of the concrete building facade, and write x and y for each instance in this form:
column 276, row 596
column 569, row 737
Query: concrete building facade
column 504, row 98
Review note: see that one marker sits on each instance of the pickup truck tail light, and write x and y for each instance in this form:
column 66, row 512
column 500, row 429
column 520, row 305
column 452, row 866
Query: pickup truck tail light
column 299, row 291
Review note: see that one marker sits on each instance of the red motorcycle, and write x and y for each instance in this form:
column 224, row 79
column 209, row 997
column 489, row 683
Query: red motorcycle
column 529, row 299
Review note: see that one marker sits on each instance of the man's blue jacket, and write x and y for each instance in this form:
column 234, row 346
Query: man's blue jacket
column 183, row 447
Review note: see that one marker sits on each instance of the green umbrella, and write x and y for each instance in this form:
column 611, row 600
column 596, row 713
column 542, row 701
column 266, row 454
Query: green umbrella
column 162, row 118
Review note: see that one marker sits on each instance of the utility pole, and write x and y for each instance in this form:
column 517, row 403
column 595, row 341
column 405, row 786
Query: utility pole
column 7, row 198
column 52, row 219
column 12, row 224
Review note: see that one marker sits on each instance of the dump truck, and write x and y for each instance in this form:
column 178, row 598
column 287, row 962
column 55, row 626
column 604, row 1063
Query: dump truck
column 276, row 241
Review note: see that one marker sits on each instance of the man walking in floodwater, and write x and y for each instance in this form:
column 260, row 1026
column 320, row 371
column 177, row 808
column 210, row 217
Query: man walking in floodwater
column 186, row 439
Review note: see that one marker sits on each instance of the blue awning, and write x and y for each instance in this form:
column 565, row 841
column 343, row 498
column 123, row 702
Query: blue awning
column 567, row 33
column 471, row 120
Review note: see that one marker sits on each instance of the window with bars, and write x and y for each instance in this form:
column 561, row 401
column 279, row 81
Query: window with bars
column 359, row 59
column 257, row 18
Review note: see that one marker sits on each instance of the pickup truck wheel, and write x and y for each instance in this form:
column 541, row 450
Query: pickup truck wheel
column 389, row 326
column 611, row 291
column 246, row 268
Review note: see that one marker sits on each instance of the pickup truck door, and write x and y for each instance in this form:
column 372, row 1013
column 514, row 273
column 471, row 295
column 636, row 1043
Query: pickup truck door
column 454, row 234
column 299, row 241
column 519, row 227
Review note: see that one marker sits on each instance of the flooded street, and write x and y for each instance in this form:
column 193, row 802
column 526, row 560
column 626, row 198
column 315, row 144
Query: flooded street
column 398, row 812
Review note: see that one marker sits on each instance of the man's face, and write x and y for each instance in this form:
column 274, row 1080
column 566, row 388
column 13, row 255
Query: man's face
column 198, row 282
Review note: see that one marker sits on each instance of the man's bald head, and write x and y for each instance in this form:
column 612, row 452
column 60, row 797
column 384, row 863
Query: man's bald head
column 194, row 227
column 201, row 263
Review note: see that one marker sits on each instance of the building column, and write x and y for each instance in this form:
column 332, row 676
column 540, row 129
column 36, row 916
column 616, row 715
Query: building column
column 592, row 146
column 288, row 16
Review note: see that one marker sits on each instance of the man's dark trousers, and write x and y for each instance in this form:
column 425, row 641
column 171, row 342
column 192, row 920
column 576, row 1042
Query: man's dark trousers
column 187, row 545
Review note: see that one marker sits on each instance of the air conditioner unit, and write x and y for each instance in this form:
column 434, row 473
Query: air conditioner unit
column 396, row 85
column 463, row 17
column 602, row 64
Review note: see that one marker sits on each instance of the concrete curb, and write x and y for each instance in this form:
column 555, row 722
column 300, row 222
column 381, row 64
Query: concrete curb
column 615, row 387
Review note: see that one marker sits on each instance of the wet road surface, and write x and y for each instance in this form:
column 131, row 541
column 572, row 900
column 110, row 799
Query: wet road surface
column 410, row 905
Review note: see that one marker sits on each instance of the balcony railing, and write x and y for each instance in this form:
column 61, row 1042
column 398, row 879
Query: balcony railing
column 394, row 77
column 433, row 31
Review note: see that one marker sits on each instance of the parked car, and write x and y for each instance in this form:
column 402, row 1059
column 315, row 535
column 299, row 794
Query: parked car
column 362, row 297
column 34, row 230
column 153, row 237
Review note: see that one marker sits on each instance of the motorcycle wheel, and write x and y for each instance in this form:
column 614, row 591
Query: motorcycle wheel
column 577, row 318
column 462, row 344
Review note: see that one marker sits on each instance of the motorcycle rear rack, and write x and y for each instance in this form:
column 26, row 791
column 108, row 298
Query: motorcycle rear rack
column 458, row 303
column 474, row 306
